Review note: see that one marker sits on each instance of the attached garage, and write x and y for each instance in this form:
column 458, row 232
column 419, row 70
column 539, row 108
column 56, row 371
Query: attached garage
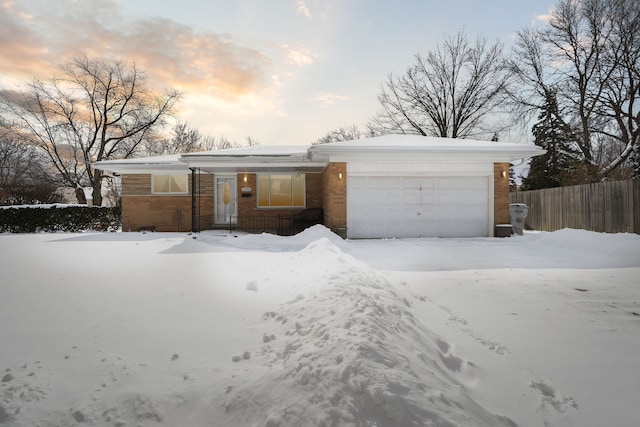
column 418, row 206
column 399, row 186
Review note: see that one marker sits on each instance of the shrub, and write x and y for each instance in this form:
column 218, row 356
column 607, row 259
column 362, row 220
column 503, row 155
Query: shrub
column 52, row 218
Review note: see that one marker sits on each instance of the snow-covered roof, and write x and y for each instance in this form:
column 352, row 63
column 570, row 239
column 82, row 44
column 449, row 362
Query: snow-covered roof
column 253, row 151
column 304, row 158
column 411, row 145
column 257, row 158
column 154, row 164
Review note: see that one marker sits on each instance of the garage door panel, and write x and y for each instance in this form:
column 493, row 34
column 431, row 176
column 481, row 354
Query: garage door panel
column 390, row 212
column 359, row 212
column 410, row 214
column 428, row 213
column 358, row 230
column 393, row 198
column 468, row 229
column 418, row 206
column 411, row 198
column 410, row 183
column 358, row 182
column 474, row 198
column 442, row 183
column 428, row 197
column 461, row 214
column 442, row 213
column 444, row 198
column 428, row 229
column 382, row 182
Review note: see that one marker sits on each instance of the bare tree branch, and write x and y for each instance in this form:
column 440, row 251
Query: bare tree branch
column 589, row 55
column 450, row 92
column 96, row 110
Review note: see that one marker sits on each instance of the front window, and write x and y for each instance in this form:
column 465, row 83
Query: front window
column 281, row 190
column 169, row 184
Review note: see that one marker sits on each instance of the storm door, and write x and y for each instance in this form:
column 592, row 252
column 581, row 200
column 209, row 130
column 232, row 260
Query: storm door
column 226, row 203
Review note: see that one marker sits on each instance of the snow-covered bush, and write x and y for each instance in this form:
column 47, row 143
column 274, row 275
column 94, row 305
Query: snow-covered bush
column 51, row 218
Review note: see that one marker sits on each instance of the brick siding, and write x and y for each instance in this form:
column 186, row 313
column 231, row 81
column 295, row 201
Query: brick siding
column 500, row 193
column 248, row 206
column 334, row 195
column 141, row 209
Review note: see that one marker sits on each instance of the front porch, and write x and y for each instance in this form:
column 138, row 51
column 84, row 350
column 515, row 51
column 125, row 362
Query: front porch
column 278, row 223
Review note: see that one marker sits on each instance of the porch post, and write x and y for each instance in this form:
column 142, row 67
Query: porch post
column 194, row 227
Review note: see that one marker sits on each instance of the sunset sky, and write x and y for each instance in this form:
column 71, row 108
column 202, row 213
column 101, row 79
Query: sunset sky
column 280, row 71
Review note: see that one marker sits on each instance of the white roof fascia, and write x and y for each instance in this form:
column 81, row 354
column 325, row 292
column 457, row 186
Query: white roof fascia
column 247, row 166
column 143, row 165
column 253, row 151
column 400, row 147
column 494, row 157
column 246, row 159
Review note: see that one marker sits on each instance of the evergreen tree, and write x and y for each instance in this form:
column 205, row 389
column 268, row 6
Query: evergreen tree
column 554, row 168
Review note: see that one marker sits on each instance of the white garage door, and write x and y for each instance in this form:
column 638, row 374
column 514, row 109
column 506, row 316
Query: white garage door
column 393, row 206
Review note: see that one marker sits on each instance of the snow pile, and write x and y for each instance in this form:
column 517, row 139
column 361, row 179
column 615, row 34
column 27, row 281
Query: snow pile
column 270, row 242
column 350, row 352
column 596, row 249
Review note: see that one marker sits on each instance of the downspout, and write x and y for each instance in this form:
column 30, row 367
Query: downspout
column 194, row 227
column 199, row 198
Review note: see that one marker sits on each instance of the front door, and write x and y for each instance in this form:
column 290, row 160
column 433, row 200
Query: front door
column 226, row 206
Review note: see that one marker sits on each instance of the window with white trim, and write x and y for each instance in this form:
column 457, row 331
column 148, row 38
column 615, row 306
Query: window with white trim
column 281, row 191
column 169, row 184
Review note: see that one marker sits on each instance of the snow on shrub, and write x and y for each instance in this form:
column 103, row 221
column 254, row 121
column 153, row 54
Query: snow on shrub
column 52, row 218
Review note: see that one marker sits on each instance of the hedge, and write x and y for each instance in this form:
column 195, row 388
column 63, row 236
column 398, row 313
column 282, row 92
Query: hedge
column 52, row 218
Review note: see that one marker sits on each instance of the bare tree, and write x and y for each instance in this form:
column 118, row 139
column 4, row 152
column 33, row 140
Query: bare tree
column 346, row 133
column 96, row 110
column 589, row 55
column 223, row 143
column 251, row 141
column 186, row 139
column 183, row 139
column 23, row 172
column 451, row 92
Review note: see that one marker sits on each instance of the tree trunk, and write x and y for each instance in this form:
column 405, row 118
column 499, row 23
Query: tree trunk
column 97, row 188
column 82, row 199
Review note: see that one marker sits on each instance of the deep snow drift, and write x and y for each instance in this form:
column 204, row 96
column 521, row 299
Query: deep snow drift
column 164, row 329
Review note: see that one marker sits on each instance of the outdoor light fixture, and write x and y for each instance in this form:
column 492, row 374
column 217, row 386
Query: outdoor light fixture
column 340, row 176
column 503, row 174
column 245, row 179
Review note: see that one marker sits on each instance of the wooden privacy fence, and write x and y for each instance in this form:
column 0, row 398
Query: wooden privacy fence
column 611, row 207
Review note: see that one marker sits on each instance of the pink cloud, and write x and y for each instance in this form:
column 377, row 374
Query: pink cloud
column 33, row 40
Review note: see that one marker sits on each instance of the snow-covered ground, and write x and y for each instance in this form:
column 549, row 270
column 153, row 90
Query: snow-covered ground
column 162, row 329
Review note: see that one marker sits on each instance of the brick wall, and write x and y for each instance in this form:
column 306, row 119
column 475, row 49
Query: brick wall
column 500, row 193
column 247, row 206
column 334, row 195
column 141, row 209
column 161, row 213
column 136, row 185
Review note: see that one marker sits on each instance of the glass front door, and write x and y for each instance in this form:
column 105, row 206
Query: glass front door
column 226, row 206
